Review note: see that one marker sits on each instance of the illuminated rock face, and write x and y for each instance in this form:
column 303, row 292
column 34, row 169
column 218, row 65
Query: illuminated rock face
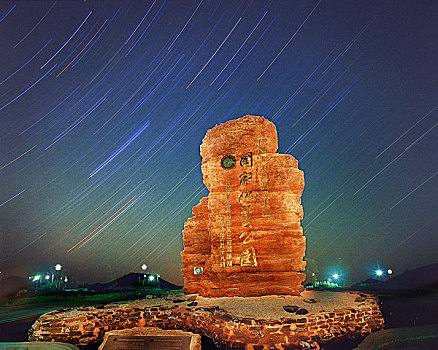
column 245, row 237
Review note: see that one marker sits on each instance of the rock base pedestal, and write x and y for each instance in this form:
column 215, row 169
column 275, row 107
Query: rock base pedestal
column 323, row 318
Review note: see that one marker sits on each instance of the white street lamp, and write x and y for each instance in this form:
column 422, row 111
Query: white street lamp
column 58, row 268
column 144, row 267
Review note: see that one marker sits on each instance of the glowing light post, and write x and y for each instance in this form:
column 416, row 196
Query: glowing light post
column 389, row 272
column 143, row 267
column 153, row 280
column 37, row 280
column 47, row 283
column 58, row 268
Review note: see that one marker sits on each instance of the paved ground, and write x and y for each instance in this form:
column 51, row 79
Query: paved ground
column 405, row 338
column 13, row 313
column 15, row 321
column 414, row 345
column 16, row 330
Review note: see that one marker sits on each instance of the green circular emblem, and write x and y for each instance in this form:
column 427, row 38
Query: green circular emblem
column 228, row 162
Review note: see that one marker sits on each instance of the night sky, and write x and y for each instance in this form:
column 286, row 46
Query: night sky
column 103, row 106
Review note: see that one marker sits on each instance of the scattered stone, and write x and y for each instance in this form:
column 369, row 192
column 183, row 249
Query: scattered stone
column 305, row 345
column 191, row 298
column 310, row 301
column 359, row 299
column 193, row 303
column 179, row 301
column 291, row 308
column 302, row 312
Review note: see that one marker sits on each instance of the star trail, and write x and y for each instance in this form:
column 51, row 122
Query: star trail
column 103, row 106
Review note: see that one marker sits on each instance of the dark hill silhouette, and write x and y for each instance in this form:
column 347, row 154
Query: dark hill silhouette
column 422, row 279
column 11, row 285
column 371, row 280
column 130, row 282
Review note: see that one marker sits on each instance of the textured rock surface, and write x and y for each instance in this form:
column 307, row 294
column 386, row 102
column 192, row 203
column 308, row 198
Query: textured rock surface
column 195, row 341
column 246, row 235
column 228, row 322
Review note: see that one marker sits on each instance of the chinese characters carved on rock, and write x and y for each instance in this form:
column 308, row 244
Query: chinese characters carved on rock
column 246, row 236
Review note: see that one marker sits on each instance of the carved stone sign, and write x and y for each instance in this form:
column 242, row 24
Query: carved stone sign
column 150, row 338
column 246, row 235
column 132, row 342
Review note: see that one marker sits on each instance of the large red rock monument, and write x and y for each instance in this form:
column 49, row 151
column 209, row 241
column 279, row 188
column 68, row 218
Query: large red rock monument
column 245, row 238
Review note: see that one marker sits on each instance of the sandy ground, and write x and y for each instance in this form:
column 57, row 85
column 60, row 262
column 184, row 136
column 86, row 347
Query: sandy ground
column 271, row 307
column 265, row 307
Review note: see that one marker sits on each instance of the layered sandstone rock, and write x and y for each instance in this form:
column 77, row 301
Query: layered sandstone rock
column 246, row 235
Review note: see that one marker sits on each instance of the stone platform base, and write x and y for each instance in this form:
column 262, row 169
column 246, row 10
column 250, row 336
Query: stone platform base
column 253, row 323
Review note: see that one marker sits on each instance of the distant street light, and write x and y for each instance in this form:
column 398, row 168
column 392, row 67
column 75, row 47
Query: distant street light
column 58, row 268
column 143, row 267
column 389, row 272
column 379, row 273
column 151, row 278
column 36, row 278
column 335, row 276
column 47, row 277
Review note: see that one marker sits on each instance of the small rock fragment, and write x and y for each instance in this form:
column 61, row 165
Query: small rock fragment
column 290, row 308
column 179, row 300
column 310, row 301
column 302, row 312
